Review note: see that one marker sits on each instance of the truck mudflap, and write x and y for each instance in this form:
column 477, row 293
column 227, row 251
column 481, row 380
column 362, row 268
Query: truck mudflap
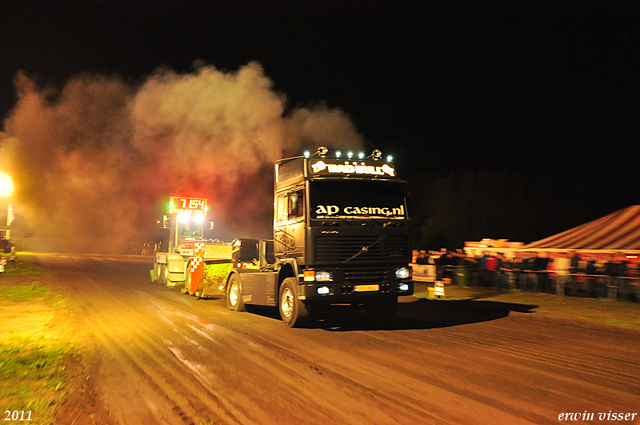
column 348, row 293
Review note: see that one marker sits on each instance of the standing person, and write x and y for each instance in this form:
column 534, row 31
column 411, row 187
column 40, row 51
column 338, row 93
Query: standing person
column 609, row 277
column 573, row 274
column 518, row 273
column 591, row 275
column 528, row 275
column 618, row 275
column 562, row 265
column 439, row 263
column 498, row 274
column 508, row 279
column 541, row 263
column 482, row 269
column 492, row 266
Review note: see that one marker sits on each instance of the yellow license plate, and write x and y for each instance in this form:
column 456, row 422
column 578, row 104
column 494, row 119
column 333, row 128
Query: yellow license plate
column 367, row 288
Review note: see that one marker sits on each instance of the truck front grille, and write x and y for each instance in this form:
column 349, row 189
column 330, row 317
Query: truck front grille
column 338, row 249
column 369, row 275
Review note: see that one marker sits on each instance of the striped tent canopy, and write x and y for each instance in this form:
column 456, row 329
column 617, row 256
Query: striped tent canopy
column 619, row 231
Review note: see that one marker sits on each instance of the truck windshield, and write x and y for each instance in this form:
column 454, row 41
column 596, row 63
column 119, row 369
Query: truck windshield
column 357, row 200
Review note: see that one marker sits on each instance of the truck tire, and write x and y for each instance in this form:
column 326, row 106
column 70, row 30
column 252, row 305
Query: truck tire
column 234, row 294
column 162, row 277
column 382, row 310
column 157, row 268
column 292, row 311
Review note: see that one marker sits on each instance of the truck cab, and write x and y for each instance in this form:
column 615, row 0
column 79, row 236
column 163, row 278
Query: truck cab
column 340, row 235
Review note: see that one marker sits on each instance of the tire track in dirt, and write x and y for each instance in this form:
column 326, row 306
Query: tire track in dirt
column 614, row 371
column 279, row 368
column 142, row 380
column 501, row 353
column 387, row 392
column 192, row 360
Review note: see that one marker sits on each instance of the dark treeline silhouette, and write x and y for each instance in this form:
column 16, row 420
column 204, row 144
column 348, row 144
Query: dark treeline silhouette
column 472, row 205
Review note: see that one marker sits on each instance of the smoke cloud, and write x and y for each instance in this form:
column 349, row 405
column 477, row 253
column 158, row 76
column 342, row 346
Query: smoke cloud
column 94, row 164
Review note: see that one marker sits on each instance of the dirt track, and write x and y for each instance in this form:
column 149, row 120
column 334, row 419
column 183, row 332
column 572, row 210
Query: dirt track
column 156, row 356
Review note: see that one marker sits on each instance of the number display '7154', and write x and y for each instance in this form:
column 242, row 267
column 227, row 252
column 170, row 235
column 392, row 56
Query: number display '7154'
column 187, row 205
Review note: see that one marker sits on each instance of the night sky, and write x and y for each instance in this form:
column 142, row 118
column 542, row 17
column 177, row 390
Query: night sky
column 543, row 90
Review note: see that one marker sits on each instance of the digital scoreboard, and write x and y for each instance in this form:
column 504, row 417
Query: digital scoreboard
column 183, row 205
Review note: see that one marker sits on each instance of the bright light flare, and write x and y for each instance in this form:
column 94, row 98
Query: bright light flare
column 6, row 185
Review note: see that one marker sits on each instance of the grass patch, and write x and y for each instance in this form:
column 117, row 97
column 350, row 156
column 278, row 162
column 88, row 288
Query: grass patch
column 18, row 288
column 32, row 354
column 23, row 265
column 23, row 292
column 32, row 374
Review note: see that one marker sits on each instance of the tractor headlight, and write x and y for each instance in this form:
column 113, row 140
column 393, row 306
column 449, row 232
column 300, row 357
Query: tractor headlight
column 403, row 273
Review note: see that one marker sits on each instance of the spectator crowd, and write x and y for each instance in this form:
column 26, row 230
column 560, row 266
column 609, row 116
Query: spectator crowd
column 574, row 273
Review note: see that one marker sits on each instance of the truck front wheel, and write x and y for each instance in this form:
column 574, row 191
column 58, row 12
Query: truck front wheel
column 234, row 294
column 292, row 311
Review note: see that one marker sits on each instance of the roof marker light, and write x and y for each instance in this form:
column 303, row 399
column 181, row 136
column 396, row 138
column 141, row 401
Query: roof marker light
column 361, row 155
column 390, row 158
column 307, row 154
column 349, row 154
column 338, row 154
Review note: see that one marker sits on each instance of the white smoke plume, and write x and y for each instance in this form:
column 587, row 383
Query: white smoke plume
column 94, row 163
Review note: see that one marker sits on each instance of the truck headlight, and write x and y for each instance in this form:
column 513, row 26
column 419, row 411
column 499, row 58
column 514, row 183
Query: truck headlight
column 323, row 276
column 314, row 276
column 403, row 273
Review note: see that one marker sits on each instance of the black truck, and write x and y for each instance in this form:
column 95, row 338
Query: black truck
column 340, row 236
